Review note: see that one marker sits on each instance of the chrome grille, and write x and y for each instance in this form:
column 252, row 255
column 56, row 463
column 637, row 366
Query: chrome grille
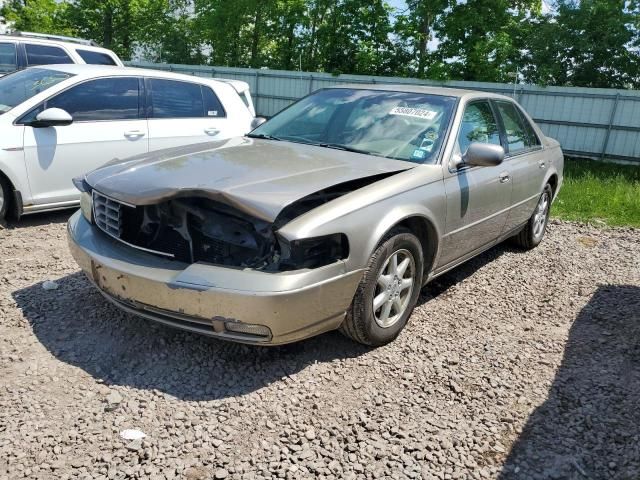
column 107, row 214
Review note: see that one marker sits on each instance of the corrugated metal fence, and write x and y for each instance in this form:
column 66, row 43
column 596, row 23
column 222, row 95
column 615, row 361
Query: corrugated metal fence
column 590, row 122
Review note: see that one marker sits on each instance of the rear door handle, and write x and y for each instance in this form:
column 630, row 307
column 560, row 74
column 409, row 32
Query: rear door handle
column 211, row 131
column 134, row 134
column 504, row 177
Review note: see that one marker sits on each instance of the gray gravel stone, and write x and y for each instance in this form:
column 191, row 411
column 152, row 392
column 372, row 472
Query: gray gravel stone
column 515, row 365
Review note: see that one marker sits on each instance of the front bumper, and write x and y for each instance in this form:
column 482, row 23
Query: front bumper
column 204, row 298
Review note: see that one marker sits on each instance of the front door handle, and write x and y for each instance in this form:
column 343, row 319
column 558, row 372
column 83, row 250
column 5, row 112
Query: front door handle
column 504, row 177
column 211, row 131
column 134, row 134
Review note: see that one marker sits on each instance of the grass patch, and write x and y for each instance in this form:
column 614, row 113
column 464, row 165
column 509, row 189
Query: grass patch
column 599, row 191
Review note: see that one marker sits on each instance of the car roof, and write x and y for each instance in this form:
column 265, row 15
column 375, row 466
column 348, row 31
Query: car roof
column 91, row 71
column 427, row 90
column 79, row 45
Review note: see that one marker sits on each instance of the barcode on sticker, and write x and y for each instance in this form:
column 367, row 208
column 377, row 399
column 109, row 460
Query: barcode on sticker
column 414, row 112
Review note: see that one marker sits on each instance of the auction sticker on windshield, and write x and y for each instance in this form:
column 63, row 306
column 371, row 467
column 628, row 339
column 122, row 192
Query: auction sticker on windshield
column 414, row 112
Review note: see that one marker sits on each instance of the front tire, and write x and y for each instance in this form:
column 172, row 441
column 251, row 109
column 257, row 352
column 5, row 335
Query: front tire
column 5, row 197
column 532, row 234
column 388, row 291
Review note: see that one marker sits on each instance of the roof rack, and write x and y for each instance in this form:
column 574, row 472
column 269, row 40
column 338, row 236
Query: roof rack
column 61, row 38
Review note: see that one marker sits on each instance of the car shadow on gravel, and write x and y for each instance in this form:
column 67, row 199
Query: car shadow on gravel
column 589, row 426
column 439, row 285
column 40, row 219
column 79, row 327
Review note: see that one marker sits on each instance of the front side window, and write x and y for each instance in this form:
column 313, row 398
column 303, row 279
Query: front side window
column 95, row 58
column 8, row 58
column 478, row 125
column 514, row 129
column 21, row 86
column 401, row 125
column 175, row 99
column 45, row 55
column 96, row 100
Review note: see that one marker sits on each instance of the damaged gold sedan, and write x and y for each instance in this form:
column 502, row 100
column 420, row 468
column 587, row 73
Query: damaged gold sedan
column 333, row 214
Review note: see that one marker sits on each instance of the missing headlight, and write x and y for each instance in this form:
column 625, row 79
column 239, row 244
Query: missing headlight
column 313, row 252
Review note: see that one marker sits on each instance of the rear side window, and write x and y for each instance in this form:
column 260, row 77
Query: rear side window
column 102, row 99
column 96, row 58
column 45, row 55
column 532, row 139
column 175, row 99
column 8, row 58
column 514, row 128
column 478, row 125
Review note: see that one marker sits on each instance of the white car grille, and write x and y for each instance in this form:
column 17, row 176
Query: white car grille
column 107, row 214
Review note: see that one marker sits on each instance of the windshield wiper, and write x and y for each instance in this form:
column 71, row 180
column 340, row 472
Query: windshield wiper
column 263, row 136
column 346, row 148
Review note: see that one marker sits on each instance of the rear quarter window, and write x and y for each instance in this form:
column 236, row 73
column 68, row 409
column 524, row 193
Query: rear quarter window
column 46, row 55
column 96, row 58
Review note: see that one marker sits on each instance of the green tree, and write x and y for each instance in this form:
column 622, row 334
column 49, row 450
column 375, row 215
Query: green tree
column 112, row 23
column 172, row 35
column 415, row 29
column 42, row 16
column 480, row 39
column 591, row 43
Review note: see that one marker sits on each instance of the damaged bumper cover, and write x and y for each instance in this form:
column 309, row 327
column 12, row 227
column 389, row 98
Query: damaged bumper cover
column 242, row 305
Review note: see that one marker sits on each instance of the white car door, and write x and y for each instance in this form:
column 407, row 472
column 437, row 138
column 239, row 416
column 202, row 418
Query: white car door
column 108, row 123
column 183, row 113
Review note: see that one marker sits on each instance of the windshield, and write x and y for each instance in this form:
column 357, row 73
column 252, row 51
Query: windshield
column 21, row 86
column 403, row 126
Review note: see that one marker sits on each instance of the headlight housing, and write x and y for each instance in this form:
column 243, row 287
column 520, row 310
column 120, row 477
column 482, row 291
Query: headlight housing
column 313, row 252
column 86, row 198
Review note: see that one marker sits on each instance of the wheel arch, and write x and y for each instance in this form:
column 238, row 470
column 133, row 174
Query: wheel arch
column 423, row 227
column 553, row 181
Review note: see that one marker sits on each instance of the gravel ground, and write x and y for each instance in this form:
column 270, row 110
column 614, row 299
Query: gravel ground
column 516, row 365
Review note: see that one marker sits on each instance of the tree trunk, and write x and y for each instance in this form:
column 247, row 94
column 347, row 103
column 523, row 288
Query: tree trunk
column 423, row 43
column 107, row 27
column 255, row 41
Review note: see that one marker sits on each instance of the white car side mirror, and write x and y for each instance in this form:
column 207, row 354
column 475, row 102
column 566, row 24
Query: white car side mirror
column 52, row 117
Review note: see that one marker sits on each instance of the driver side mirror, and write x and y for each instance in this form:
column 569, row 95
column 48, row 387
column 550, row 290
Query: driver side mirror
column 256, row 122
column 52, row 117
column 481, row 155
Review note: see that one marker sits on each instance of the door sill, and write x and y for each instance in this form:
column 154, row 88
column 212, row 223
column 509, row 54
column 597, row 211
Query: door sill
column 49, row 207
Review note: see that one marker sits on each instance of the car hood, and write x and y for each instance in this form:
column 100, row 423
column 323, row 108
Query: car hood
column 258, row 177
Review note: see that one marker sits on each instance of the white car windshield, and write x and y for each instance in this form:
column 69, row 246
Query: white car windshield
column 21, row 86
column 401, row 125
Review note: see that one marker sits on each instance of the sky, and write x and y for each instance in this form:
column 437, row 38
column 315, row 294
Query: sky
column 399, row 4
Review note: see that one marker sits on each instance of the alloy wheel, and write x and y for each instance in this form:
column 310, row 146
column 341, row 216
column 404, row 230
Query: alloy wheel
column 540, row 215
column 394, row 288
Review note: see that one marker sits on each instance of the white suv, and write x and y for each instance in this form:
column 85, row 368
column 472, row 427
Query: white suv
column 24, row 49
column 58, row 122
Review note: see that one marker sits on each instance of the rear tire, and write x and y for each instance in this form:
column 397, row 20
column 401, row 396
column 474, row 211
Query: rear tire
column 388, row 291
column 533, row 233
column 5, row 198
